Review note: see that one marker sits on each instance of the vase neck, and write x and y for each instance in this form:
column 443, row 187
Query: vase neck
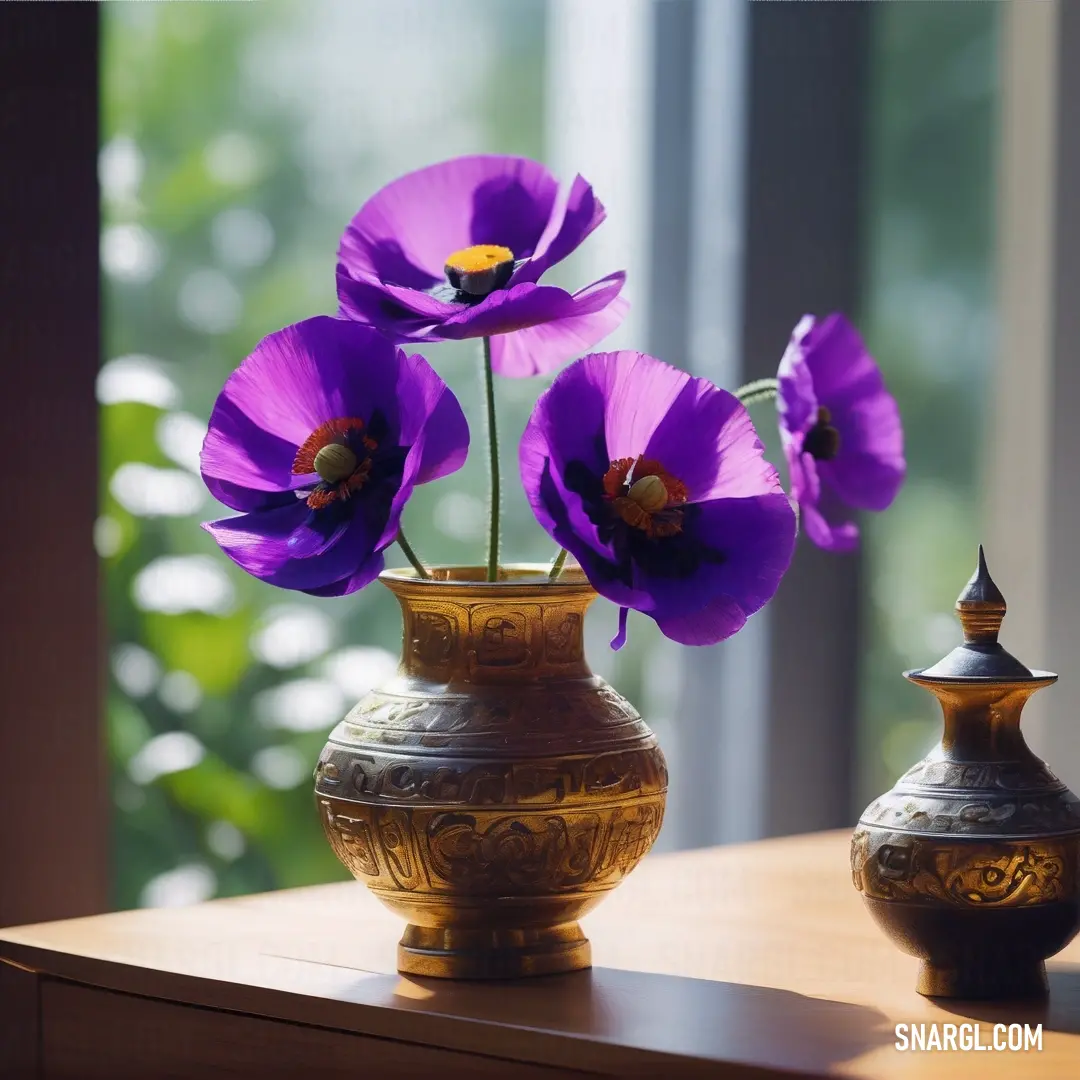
column 470, row 633
column 983, row 723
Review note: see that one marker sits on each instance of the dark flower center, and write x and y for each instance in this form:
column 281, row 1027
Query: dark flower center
column 822, row 441
column 339, row 452
column 624, row 506
column 476, row 271
column 643, row 494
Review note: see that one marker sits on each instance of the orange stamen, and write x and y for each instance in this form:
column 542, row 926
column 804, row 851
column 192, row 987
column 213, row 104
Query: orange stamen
column 676, row 489
column 324, row 494
column 615, row 477
column 321, row 497
column 356, row 481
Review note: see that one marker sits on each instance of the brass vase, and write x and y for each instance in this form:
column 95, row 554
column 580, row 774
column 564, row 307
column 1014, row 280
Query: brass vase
column 972, row 861
column 495, row 789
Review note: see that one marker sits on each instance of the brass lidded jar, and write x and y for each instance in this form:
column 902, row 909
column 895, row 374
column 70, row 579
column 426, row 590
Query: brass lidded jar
column 972, row 861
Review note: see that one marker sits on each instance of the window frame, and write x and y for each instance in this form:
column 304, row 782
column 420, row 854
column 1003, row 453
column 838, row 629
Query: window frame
column 54, row 806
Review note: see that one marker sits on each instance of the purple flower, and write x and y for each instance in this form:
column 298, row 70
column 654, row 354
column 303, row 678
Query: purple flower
column 319, row 438
column 456, row 250
column 840, row 429
column 655, row 482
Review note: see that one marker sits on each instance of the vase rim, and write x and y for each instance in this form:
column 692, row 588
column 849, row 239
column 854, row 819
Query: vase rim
column 513, row 578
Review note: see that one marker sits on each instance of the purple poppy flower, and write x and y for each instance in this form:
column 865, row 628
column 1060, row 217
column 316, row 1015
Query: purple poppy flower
column 457, row 250
column 655, row 482
column 840, row 429
column 319, row 438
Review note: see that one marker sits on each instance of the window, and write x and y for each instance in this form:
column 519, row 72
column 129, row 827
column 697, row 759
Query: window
column 237, row 141
column 930, row 315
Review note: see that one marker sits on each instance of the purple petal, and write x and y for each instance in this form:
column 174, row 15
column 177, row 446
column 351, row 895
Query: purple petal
column 433, row 427
column 316, row 371
column 802, row 471
column 796, row 402
column 562, row 511
column 708, row 441
column 716, row 621
column 507, row 310
column 296, row 380
column 550, row 445
column 728, row 560
column 567, row 423
column 755, row 537
column 411, row 470
column 577, row 214
column 841, row 367
column 286, row 547
column 244, row 466
column 806, row 488
column 402, row 315
column 619, row 640
column 433, row 410
column 569, row 526
column 313, row 371
column 869, row 469
column 840, row 538
column 237, row 497
column 367, row 572
column 548, row 345
column 403, row 234
column 399, row 313
column 827, row 364
column 637, row 390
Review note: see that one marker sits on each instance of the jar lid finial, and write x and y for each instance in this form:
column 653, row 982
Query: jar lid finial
column 981, row 606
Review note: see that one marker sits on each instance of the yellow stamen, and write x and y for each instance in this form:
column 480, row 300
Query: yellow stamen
column 479, row 257
column 480, row 269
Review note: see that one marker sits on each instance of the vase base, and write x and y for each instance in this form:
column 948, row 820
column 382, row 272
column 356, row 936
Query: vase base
column 1024, row 980
column 454, row 953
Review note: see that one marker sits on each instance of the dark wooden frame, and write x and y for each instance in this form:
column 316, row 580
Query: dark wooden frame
column 53, row 781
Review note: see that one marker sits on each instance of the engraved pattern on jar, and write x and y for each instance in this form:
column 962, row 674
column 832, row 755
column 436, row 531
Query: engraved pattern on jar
column 972, row 813
column 902, row 867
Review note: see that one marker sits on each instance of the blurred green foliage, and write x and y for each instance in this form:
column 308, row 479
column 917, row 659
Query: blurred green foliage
column 264, row 119
column 238, row 139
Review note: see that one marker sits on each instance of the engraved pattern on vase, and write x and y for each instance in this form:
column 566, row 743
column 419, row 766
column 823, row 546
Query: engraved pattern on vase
column 494, row 765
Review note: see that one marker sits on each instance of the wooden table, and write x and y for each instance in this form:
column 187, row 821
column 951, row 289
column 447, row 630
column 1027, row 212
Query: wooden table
column 762, row 964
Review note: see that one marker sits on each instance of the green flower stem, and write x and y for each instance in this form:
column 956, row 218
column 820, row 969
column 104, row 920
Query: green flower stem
column 557, row 565
column 493, row 465
column 758, row 390
column 754, row 399
column 411, row 555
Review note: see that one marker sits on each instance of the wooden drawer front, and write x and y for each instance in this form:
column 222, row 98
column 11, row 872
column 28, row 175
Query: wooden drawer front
column 90, row 1033
column 19, row 1026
